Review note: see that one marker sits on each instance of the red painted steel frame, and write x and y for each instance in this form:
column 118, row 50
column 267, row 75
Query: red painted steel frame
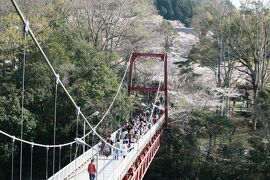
column 143, row 161
column 163, row 88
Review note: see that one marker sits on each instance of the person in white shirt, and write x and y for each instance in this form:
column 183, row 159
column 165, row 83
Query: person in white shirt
column 124, row 152
column 116, row 151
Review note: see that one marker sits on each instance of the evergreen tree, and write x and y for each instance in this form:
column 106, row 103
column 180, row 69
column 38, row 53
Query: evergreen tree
column 182, row 10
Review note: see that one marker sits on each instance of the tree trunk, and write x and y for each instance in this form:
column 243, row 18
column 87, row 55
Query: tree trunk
column 209, row 148
column 254, row 117
column 219, row 63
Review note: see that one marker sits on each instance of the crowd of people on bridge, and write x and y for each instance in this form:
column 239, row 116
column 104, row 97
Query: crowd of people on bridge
column 127, row 136
column 130, row 133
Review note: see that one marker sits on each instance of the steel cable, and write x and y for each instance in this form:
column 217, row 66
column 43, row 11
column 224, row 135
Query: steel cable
column 55, row 115
column 12, row 160
column 62, row 85
column 31, row 163
column 23, row 89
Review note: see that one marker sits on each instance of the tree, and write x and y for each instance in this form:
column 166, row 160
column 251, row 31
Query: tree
column 240, row 39
column 167, row 29
column 212, row 21
column 251, row 46
column 84, row 71
column 182, row 10
column 184, row 153
column 263, row 108
column 179, row 156
column 106, row 23
column 259, row 155
column 210, row 125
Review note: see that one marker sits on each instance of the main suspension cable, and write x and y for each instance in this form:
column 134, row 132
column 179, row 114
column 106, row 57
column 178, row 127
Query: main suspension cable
column 69, row 143
column 66, row 144
column 119, row 88
column 54, row 73
column 60, row 82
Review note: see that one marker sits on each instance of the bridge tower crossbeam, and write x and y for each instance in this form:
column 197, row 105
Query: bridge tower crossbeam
column 163, row 88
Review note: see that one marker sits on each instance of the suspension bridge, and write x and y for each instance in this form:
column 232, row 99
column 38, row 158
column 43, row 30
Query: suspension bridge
column 138, row 156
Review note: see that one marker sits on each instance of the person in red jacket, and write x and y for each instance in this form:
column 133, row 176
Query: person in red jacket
column 92, row 170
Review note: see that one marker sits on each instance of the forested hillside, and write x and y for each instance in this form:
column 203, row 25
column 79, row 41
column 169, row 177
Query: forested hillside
column 181, row 10
column 220, row 129
column 219, row 95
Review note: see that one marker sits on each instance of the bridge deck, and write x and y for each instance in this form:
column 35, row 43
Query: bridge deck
column 108, row 168
column 105, row 166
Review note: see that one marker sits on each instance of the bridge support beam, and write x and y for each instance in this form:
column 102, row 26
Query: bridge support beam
column 163, row 88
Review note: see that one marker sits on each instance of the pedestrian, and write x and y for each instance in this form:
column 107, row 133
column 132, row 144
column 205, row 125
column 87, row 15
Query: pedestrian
column 92, row 170
column 118, row 134
column 101, row 146
column 107, row 150
column 131, row 133
column 109, row 141
column 123, row 134
column 147, row 113
column 124, row 149
column 156, row 109
column 161, row 99
column 117, row 145
column 155, row 119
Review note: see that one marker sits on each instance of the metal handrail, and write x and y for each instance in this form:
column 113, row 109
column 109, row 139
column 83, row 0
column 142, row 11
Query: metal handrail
column 135, row 152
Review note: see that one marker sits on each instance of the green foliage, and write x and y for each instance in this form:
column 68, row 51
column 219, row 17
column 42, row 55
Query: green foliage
column 263, row 106
column 259, row 151
column 260, row 155
column 184, row 152
column 83, row 70
column 167, row 29
column 179, row 157
column 182, row 10
column 207, row 123
column 10, row 117
column 181, row 153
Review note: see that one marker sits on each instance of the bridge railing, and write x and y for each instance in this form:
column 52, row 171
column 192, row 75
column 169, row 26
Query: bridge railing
column 75, row 164
column 134, row 153
column 71, row 168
